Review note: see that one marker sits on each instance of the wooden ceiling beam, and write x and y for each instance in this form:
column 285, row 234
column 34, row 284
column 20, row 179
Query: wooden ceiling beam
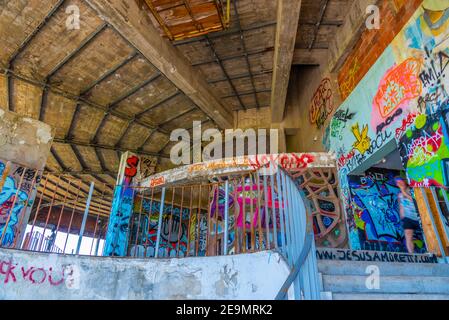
column 286, row 29
column 134, row 24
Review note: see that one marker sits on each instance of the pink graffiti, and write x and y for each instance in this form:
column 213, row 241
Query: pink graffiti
column 398, row 87
column 248, row 195
column 33, row 275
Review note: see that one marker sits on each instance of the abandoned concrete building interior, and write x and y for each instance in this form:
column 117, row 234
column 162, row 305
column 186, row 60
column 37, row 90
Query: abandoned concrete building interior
column 184, row 149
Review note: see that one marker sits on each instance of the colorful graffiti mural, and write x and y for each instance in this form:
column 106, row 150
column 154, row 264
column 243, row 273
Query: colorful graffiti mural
column 375, row 211
column 399, row 99
column 425, row 152
column 17, row 192
column 175, row 230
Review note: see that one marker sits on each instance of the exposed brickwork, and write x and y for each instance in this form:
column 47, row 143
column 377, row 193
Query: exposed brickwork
column 394, row 15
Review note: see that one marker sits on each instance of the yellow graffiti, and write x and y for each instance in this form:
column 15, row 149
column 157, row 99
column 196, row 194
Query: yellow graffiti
column 362, row 141
column 347, row 86
column 435, row 17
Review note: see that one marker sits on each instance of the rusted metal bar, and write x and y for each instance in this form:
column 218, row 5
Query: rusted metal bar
column 71, row 217
column 149, row 220
column 180, row 222
column 30, row 194
column 48, row 214
column 170, row 223
column 251, row 199
column 189, row 225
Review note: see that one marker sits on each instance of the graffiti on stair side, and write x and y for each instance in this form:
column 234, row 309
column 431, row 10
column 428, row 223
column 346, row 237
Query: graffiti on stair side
column 373, row 256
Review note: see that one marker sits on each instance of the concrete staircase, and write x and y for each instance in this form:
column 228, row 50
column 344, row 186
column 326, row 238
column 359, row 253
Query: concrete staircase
column 353, row 280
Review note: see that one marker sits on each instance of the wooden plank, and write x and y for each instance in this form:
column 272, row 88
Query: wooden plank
column 286, row 28
column 135, row 25
column 426, row 221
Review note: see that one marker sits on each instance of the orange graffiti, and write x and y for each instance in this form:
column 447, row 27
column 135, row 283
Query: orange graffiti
column 399, row 85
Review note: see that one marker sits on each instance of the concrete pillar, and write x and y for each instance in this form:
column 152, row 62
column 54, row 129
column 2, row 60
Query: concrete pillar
column 24, row 148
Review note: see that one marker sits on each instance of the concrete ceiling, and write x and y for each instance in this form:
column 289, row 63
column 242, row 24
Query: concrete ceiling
column 115, row 84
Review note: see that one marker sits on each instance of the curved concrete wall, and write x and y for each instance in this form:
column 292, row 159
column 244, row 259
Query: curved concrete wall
column 30, row 275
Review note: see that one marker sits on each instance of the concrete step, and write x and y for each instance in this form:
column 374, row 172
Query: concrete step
column 388, row 284
column 388, row 296
column 347, row 268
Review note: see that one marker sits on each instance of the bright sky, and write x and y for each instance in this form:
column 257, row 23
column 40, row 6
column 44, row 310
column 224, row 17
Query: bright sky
column 88, row 244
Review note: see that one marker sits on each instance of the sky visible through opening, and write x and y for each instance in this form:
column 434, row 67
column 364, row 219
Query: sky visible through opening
column 88, row 244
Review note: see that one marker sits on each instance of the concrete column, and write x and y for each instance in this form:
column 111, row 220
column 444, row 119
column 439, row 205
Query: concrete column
column 24, row 148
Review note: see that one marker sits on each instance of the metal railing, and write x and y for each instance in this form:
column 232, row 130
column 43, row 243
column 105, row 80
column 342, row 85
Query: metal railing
column 37, row 242
column 51, row 213
column 298, row 241
column 243, row 213
column 220, row 215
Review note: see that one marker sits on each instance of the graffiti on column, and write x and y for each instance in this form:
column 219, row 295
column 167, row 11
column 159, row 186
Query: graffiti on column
column 17, row 192
column 122, row 206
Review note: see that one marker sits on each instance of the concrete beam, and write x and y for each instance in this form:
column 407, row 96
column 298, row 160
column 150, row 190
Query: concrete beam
column 286, row 28
column 306, row 57
column 346, row 38
column 134, row 24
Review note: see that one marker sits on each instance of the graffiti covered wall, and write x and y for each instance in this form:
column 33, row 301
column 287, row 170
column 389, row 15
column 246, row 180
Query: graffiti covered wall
column 401, row 98
column 176, row 231
column 375, row 209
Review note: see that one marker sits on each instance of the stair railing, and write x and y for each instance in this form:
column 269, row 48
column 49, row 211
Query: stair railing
column 298, row 239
